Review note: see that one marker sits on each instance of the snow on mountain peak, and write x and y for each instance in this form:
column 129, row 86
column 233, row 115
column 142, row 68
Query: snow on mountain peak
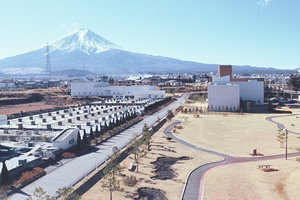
column 84, row 40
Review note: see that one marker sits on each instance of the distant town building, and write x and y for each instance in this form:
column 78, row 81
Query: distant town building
column 225, row 92
column 102, row 89
column 8, row 86
column 173, row 83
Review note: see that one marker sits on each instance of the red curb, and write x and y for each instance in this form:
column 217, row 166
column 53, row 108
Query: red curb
column 201, row 188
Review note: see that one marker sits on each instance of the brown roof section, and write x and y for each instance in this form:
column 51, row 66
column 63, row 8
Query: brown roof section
column 225, row 70
column 246, row 79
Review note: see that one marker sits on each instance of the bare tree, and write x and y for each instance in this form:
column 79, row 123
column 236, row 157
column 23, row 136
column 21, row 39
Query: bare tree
column 138, row 151
column 66, row 193
column 281, row 137
column 170, row 115
column 40, row 194
column 111, row 171
column 147, row 137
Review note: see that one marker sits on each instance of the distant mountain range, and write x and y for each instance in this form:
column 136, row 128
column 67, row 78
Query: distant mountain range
column 85, row 50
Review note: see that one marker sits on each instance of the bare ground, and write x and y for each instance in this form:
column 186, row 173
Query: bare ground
column 51, row 98
column 245, row 181
column 173, row 187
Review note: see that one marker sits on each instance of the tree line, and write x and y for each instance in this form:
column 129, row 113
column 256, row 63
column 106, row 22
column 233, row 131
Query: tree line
column 157, row 104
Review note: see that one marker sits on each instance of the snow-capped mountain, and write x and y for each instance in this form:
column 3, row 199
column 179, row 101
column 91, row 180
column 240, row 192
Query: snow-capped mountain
column 84, row 49
column 84, row 40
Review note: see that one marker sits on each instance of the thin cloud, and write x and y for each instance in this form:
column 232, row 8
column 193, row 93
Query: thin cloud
column 74, row 27
column 264, row 3
column 62, row 24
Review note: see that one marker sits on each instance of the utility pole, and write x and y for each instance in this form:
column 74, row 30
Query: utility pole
column 48, row 66
column 84, row 75
column 286, row 139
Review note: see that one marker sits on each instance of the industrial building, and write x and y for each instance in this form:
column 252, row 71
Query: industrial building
column 225, row 92
column 102, row 89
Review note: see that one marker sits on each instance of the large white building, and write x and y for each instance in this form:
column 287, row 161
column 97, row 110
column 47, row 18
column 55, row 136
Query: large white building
column 225, row 92
column 225, row 97
column 102, row 89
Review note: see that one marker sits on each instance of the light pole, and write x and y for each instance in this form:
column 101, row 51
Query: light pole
column 286, row 133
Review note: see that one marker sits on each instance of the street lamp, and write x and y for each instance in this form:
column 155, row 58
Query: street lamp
column 286, row 133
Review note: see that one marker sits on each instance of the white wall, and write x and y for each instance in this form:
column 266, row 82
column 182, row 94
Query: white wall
column 220, row 96
column 96, row 89
column 252, row 90
column 221, row 80
column 3, row 119
column 67, row 141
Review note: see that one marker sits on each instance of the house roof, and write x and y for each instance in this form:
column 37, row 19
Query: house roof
column 61, row 136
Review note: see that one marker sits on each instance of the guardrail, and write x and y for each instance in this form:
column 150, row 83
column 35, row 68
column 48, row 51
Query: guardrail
column 98, row 164
column 87, row 173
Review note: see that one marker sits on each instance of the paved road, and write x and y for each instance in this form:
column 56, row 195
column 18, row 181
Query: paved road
column 195, row 182
column 69, row 173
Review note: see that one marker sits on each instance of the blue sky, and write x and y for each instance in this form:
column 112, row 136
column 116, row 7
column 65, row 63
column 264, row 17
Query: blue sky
column 263, row 33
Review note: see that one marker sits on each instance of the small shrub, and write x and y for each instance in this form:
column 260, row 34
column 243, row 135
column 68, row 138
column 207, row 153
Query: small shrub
column 130, row 180
column 68, row 155
column 93, row 142
column 298, row 159
column 169, row 138
column 179, row 127
column 27, row 175
column 174, row 130
column 111, row 132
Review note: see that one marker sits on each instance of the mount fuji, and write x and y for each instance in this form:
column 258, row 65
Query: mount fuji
column 84, row 49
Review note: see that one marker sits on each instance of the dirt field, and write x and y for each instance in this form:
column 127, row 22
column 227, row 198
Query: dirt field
column 222, row 133
column 234, row 134
column 238, row 135
column 246, row 181
column 12, row 109
column 172, row 187
column 52, row 97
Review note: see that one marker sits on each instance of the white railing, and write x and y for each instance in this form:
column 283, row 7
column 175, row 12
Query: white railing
column 87, row 173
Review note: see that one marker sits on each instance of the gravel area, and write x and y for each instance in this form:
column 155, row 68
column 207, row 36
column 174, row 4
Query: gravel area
column 163, row 168
column 151, row 194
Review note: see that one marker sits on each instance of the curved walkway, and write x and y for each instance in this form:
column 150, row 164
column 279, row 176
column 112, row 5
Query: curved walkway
column 281, row 126
column 194, row 186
